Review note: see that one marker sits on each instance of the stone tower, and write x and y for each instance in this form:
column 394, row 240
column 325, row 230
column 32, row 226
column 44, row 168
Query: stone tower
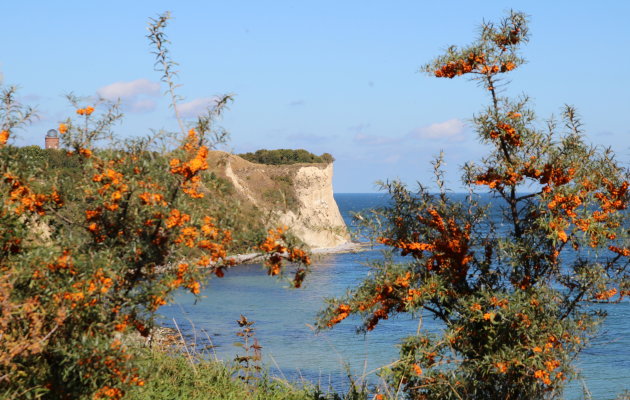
column 52, row 139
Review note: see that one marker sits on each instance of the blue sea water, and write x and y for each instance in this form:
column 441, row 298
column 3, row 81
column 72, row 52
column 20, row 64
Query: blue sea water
column 284, row 320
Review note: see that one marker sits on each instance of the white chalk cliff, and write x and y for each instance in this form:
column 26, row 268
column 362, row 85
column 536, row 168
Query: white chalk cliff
column 309, row 210
column 317, row 220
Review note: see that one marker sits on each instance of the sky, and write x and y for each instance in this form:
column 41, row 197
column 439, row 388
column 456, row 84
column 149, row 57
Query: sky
column 328, row 76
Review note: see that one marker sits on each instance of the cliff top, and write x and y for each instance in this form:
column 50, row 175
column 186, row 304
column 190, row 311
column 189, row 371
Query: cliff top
column 286, row 156
column 270, row 187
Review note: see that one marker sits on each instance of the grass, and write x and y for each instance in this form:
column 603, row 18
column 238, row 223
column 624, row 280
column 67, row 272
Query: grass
column 172, row 375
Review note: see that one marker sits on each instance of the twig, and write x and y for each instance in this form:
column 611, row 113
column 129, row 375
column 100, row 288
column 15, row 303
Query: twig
column 185, row 346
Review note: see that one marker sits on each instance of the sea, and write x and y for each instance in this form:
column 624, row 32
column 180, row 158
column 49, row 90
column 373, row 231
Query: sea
column 284, row 320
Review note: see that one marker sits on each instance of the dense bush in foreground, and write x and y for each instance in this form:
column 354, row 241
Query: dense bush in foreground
column 86, row 258
column 516, row 297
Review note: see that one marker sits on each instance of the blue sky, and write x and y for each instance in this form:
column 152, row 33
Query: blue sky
column 328, row 76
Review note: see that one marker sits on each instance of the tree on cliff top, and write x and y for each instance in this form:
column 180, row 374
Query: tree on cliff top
column 286, row 156
column 515, row 298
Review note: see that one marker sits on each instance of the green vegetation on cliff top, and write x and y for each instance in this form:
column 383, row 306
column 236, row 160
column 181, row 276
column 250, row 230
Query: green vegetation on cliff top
column 286, row 156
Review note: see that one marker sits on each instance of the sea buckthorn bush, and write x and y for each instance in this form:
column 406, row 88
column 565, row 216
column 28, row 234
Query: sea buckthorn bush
column 514, row 285
column 87, row 258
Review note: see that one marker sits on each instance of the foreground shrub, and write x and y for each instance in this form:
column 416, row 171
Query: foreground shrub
column 87, row 258
column 514, row 285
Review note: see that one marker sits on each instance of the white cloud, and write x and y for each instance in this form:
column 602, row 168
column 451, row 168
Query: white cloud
column 374, row 140
column 129, row 90
column 195, row 107
column 393, row 159
column 31, row 98
column 142, row 106
column 452, row 129
column 359, row 128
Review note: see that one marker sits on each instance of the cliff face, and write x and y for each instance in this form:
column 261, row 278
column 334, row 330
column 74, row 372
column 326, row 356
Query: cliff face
column 299, row 196
column 317, row 220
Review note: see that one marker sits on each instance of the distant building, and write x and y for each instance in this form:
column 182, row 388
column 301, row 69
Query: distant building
column 52, row 139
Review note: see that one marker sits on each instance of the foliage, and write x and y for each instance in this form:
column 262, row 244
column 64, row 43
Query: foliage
column 249, row 363
column 517, row 298
column 174, row 376
column 87, row 258
column 248, row 224
column 286, row 156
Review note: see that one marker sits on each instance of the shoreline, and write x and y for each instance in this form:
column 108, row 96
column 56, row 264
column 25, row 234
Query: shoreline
column 349, row 247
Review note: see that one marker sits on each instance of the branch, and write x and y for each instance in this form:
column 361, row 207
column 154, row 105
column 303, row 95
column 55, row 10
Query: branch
column 528, row 196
